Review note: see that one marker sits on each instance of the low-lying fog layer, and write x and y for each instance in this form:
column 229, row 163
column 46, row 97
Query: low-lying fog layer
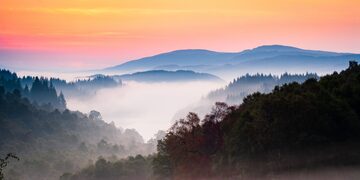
column 144, row 107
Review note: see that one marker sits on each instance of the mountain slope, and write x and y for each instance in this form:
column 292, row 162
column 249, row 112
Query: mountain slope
column 49, row 139
column 50, row 143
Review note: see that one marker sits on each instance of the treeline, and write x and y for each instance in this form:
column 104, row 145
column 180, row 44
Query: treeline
column 41, row 92
column 81, row 88
column 297, row 126
column 245, row 85
column 49, row 93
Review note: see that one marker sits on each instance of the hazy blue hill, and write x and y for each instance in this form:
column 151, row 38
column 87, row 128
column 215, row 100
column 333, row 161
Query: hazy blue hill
column 289, row 49
column 229, row 65
column 189, row 57
column 272, row 51
column 167, row 76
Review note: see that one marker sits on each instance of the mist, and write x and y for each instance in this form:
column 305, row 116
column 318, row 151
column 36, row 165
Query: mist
column 146, row 107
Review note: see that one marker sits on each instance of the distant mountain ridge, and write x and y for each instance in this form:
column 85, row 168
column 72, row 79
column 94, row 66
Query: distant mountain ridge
column 262, row 59
column 189, row 57
column 167, row 76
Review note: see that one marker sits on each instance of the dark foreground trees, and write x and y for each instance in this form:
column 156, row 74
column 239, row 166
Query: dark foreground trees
column 297, row 126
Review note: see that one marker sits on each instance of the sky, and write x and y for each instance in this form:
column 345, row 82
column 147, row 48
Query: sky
column 88, row 34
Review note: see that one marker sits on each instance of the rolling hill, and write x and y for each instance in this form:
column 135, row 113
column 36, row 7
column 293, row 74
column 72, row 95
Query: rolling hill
column 263, row 59
column 167, row 76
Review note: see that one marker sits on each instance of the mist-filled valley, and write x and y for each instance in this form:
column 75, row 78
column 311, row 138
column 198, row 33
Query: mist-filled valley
column 168, row 117
column 146, row 107
column 179, row 90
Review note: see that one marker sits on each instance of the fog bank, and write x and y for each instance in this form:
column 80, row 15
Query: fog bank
column 142, row 106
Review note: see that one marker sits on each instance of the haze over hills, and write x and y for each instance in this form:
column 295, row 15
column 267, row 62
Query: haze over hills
column 179, row 90
column 167, row 76
column 264, row 59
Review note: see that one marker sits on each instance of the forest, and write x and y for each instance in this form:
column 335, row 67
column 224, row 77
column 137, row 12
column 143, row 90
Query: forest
column 245, row 85
column 81, row 88
column 297, row 128
column 41, row 92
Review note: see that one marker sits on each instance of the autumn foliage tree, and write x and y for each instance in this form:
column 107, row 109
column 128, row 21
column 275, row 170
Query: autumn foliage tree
column 190, row 140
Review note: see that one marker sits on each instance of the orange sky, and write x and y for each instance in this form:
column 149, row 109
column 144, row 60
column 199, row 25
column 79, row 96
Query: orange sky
column 120, row 30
